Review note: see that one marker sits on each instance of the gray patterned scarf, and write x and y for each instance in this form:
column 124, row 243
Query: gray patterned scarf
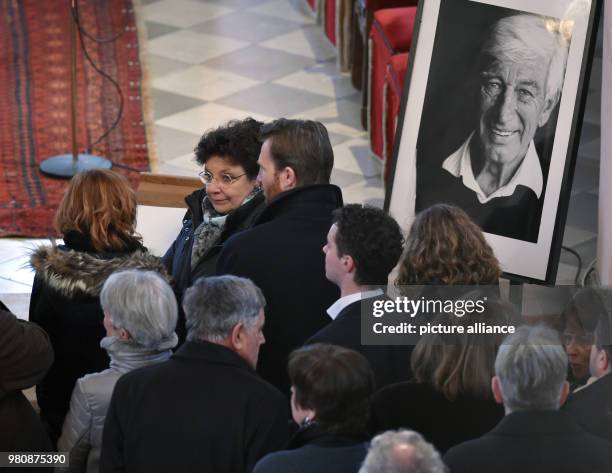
column 208, row 232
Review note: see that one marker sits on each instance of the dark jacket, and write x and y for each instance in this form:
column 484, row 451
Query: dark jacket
column 178, row 257
column 444, row 423
column 203, row 410
column 591, row 407
column 312, row 449
column 65, row 302
column 533, row 442
column 282, row 254
column 25, row 357
column 390, row 363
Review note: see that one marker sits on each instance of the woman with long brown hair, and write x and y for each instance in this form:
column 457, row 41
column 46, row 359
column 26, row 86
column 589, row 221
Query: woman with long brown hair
column 97, row 218
column 445, row 247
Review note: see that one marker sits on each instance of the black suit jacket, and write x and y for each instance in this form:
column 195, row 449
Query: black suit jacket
column 203, row 410
column 591, row 407
column 533, row 442
column 282, row 254
column 391, row 363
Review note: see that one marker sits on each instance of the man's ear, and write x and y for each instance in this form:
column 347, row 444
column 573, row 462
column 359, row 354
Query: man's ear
column 124, row 335
column 237, row 337
column 497, row 391
column 565, row 390
column 549, row 105
column 348, row 263
column 288, row 179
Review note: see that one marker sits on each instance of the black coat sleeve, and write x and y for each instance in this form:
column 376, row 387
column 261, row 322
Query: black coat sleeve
column 111, row 457
column 25, row 353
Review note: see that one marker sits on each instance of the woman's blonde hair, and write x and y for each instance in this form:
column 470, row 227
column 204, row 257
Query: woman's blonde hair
column 101, row 204
column 446, row 247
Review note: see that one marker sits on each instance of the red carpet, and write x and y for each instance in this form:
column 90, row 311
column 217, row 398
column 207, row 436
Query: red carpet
column 35, row 102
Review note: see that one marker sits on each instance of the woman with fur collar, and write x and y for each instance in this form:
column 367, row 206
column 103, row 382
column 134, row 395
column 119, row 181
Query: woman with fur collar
column 97, row 218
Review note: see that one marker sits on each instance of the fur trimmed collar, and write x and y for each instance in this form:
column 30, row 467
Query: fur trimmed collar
column 72, row 272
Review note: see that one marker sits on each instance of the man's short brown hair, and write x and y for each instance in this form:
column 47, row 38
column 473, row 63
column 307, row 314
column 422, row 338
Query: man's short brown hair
column 302, row 145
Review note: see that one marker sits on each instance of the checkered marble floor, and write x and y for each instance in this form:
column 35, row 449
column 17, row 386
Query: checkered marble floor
column 214, row 60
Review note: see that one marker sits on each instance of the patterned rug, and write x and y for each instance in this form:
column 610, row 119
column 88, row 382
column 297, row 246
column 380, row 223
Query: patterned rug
column 35, row 101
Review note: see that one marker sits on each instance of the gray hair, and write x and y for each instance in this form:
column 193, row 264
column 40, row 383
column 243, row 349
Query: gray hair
column 531, row 366
column 142, row 303
column 382, row 456
column 532, row 37
column 214, row 305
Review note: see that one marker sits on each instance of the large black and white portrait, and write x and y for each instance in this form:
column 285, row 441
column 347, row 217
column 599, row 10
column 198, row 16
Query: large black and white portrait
column 488, row 91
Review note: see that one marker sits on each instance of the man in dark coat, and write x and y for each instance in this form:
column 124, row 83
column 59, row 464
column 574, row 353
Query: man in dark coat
column 363, row 246
column 534, row 436
column 591, row 405
column 25, row 357
column 282, row 253
column 205, row 409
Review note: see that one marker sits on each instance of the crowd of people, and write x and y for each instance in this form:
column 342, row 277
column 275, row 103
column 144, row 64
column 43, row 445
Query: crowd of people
column 241, row 349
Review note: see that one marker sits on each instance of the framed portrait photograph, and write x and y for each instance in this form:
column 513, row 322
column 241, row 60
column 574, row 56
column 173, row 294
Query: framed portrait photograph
column 491, row 118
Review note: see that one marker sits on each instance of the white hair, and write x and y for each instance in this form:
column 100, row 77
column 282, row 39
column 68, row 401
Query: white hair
column 531, row 37
column 531, row 365
column 382, row 457
column 142, row 303
column 214, row 305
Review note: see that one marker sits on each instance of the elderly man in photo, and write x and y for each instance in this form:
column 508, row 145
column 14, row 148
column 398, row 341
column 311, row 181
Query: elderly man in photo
column 205, row 409
column 496, row 174
column 534, row 436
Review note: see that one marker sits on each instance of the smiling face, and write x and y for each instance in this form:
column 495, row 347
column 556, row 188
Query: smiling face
column 513, row 104
column 227, row 197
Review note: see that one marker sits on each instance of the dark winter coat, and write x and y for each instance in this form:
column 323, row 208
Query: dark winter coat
column 204, row 410
column 65, row 302
column 25, row 357
column 312, row 449
column 282, row 254
column 533, row 442
column 421, row 407
column 591, row 407
column 178, row 257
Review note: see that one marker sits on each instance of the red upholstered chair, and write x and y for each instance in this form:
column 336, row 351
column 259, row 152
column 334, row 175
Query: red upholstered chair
column 391, row 34
column 329, row 20
column 394, row 85
column 361, row 24
column 312, row 4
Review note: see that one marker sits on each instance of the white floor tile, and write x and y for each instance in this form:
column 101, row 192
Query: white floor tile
column 183, row 13
column 293, row 11
column 204, row 83
column 193, row 48
column 297, row 42
column 206, row 116
column 354, row 156
column 318, row 81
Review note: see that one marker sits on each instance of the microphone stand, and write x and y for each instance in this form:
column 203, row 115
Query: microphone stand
column 66, row 166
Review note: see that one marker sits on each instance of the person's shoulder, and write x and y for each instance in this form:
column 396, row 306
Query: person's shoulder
column 284, row 460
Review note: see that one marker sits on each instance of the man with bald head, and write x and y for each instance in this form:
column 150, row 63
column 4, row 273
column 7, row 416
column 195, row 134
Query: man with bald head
column 496, row 174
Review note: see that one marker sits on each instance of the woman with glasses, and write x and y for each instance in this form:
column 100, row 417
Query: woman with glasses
column 229, row 202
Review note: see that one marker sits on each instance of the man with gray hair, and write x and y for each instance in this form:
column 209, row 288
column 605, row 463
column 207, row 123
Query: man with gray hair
column 402, row 451
column 534, row 436
column 205, row 409
column 496, row 174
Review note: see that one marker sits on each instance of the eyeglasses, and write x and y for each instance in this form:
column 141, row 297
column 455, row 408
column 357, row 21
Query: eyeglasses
column 223, row 180
column 571, row 338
